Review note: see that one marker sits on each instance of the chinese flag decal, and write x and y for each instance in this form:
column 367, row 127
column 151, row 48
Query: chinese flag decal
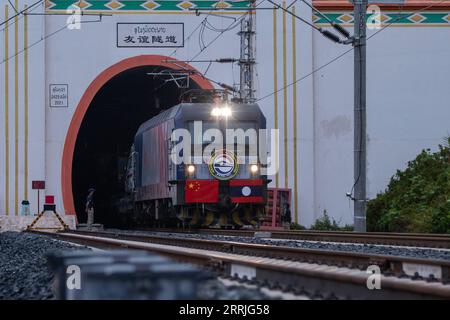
column 201, row 191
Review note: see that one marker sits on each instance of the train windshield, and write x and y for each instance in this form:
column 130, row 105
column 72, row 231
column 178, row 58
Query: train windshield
column 243, row 134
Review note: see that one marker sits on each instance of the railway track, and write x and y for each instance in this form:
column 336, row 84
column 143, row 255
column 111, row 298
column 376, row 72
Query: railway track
column 378, row 238
column 333, row 274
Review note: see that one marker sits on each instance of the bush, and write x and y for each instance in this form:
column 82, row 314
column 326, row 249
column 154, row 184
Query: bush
column 326, row 224
column 296, row 226
column 416, row 199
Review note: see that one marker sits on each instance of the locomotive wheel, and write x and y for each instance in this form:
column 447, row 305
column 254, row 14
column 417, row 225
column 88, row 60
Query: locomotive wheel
column 250, row 216
column 223, row 219
column 236, row 216
column 209, row 219
column 196, row 217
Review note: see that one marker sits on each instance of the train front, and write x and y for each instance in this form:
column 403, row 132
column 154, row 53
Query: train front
column 225, row 183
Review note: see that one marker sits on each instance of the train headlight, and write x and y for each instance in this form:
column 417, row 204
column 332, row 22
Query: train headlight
column 216, row 112
column 224, row 111
column 254, row 168
column 191, row 169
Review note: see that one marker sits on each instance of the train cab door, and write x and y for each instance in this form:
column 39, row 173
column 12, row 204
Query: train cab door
column 171, row 170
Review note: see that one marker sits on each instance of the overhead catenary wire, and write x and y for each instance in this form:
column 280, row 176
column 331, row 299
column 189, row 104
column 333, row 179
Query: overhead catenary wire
column 298, row 17
column 335, row 25
column 196, row 28
column 29, row 11
column 205, row 46
column 190, row 72
column 401, row 16
column 219, row 60
column 325, row 33
column 21, row 12
column 7, row 25
column 292, row 3
column 13, row 6
column 349, row 50
column 329, row 62
column 47, row 36
column 230, row 27
column 214, row 28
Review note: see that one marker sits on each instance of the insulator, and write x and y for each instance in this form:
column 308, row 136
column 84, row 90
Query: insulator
column 341, row 30
column 331, row 36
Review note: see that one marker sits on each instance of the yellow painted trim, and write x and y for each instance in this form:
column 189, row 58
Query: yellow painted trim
column 275, row 89
column 25, row 104
column 6, row 115
column 16, row 112
column 294, row 101
column 286, row 162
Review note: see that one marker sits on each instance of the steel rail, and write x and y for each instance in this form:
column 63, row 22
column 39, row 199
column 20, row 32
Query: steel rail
column 381, row 238
column 339, row 282
column 399, row 266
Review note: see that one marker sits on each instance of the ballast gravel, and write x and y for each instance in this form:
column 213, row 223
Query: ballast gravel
column 23, row 265
column 24, row 274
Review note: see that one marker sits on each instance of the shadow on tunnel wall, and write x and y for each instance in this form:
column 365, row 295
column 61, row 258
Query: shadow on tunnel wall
column 107, row 132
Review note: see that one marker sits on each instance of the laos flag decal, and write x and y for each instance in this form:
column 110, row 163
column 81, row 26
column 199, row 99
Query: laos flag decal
column 246, row 191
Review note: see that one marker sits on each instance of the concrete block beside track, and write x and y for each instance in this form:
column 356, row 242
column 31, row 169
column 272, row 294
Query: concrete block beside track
column 262, row 234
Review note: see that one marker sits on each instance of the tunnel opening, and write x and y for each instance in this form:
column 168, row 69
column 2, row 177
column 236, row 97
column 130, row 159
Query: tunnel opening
column 107, row 131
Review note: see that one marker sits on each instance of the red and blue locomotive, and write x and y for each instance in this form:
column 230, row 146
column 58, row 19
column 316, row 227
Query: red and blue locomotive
column 199, row 163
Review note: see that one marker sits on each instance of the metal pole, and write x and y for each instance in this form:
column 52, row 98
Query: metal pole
column 247, row 57
column 360, row 7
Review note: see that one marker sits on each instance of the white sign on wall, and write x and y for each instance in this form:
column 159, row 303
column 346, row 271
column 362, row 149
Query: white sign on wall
column 59, row 94
column 152, row 35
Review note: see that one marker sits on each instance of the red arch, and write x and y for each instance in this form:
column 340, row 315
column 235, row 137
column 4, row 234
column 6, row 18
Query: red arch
column 86, row 99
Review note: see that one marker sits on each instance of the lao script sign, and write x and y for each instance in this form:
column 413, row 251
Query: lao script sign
column 152, row 35
column 59, row 95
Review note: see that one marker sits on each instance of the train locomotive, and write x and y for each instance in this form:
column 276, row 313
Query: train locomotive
column 222, row 186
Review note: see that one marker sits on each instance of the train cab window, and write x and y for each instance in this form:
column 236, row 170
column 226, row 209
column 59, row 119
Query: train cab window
column 206, row 125
column 250, row 137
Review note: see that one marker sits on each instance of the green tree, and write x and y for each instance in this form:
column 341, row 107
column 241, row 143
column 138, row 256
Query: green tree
column 416, row 199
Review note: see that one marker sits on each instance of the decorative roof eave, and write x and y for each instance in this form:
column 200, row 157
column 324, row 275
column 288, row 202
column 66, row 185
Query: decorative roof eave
column 331, row 5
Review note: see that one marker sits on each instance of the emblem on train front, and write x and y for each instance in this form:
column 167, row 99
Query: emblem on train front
column 223, row 165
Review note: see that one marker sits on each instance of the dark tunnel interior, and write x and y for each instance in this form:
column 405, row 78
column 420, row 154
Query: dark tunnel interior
column 106, row 134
